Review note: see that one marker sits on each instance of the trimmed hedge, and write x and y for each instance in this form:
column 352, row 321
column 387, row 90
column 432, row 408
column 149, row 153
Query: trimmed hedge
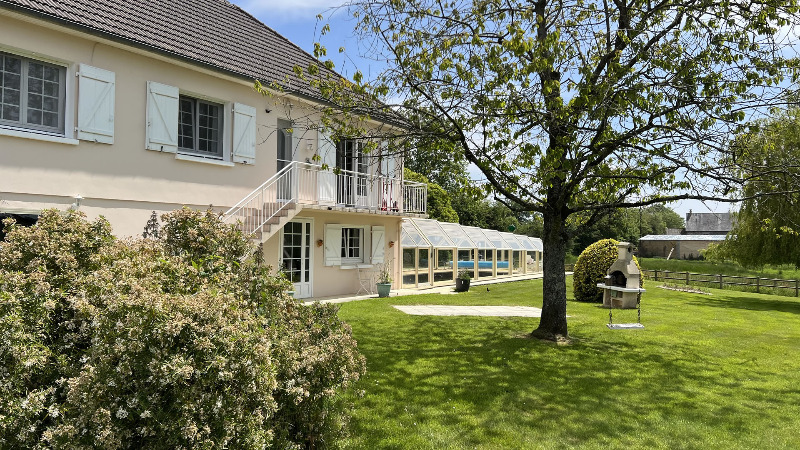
column 592, row 267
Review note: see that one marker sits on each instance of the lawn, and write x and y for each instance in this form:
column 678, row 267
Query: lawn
column 719, row 371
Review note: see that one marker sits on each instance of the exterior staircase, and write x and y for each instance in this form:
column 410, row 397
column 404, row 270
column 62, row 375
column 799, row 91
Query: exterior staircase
column 274, row 224
column 279, row 199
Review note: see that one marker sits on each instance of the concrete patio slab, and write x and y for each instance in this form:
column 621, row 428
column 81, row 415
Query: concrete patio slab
column 482, row 311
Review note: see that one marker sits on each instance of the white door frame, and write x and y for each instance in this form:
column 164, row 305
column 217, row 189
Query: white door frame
column 302, row 289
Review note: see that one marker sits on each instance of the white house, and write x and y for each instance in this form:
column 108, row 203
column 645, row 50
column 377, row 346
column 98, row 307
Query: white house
column 124, row 108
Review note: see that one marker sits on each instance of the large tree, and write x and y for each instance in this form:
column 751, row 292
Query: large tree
column 767, row 228
column 572, row 108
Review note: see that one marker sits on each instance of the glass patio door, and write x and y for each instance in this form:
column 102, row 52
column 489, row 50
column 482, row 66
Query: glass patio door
column 296, row 256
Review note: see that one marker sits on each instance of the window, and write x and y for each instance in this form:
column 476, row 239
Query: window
column 352, row 245
column 31, row 93
column 200, row 127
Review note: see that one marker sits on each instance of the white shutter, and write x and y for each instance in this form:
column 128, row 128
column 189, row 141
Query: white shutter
column 333, row 245
column 298, row 136
column 96, row 104
column 327, row 179
column 162, row 117
column 244, row 134
column 378, row 244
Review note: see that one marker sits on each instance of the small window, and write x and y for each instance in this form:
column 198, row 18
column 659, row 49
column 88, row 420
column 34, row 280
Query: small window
column 200, row 127
column 352, row 245
column 32, row 94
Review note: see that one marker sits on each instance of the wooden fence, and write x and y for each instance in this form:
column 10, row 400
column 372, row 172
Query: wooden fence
column 780, row 287
column 757, row 284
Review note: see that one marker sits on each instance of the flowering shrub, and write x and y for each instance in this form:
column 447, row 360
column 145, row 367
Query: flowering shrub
column 184, row 341
column 592, row 267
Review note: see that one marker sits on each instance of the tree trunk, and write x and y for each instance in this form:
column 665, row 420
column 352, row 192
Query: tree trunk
column 553, row 323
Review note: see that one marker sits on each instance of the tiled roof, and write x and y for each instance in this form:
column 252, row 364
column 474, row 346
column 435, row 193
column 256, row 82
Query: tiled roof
column 683, row 237
column 214, row 33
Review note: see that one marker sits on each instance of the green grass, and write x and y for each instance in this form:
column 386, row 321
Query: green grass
column 676, row 265
column 720, row 371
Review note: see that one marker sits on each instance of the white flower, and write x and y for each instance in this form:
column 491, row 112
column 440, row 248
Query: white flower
column 121, row 413
column 146, row 414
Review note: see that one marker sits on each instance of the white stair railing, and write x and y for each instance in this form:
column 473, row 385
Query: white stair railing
column 304, row 183
column 266, row 201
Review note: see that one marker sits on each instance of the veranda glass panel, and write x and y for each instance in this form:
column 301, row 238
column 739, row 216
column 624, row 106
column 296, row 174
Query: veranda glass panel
column 485, row 263
column 443, row 270
column 531, row 259
column 409, row 267
column 423, row 266
column 517, row 266
column 503, row 263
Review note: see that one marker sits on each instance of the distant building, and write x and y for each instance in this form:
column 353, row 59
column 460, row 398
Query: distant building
column 708, row 223
column 676, row 246
column 701, row 230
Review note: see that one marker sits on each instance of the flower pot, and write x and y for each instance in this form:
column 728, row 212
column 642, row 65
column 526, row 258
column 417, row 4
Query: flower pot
column 291, row 294
column 462, row 285
column 383, row 289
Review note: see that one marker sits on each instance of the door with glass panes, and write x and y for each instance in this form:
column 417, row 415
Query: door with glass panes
column 296, row 256
column 352, row 179
column 285, row 156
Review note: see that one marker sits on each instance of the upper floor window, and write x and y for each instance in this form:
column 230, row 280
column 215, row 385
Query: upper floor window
column 200, row 127
column 32, row 93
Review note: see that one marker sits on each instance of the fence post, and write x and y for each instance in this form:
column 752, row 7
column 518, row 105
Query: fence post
column 720, row 281
column 758, row 285
column 796, row 288
column 687, row 278
column 656, row 274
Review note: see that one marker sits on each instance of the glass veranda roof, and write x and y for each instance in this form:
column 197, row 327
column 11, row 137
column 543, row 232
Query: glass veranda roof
column 457, row 235
column 434, row 233
column 537, row 243
column 477, row 236
column 525, row 242
column 511, row 240
column 431, row 233
column 497, row 239
column 411, row 237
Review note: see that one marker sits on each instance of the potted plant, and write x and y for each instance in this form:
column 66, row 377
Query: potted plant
column 384, row 283
column 462, row 281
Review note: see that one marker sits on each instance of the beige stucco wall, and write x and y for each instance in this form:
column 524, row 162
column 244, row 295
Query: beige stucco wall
column 683, row 249
column 334, row 280
column 124, row 181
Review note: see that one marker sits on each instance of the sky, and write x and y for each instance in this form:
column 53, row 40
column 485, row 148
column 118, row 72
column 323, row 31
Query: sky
column 297, row 21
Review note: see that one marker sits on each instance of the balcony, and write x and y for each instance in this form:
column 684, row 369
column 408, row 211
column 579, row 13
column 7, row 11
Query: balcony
column 300, row 185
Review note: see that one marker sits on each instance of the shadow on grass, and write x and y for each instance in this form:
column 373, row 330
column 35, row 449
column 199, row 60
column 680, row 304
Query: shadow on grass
column 473, row 377
column 752, row 302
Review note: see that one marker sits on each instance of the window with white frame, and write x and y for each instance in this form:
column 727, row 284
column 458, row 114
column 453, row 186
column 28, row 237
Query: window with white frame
column 32, row 93
column 200, row 127
column 352, row 245
column 194, row 127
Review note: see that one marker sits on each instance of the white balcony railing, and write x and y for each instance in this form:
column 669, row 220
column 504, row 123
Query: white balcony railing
column 308, row 184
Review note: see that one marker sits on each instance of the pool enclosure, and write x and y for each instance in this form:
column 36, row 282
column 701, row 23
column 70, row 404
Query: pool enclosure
column 435, row 252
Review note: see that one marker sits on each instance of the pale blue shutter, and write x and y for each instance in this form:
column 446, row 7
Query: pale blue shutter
column 96, row 104
column 244, row 134
column 162, row 117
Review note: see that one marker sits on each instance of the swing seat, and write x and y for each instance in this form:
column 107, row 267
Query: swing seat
column 624, row 326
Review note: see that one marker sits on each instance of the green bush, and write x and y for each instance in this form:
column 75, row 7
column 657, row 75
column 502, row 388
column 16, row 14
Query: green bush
column 592, row 267
column 185, row 341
